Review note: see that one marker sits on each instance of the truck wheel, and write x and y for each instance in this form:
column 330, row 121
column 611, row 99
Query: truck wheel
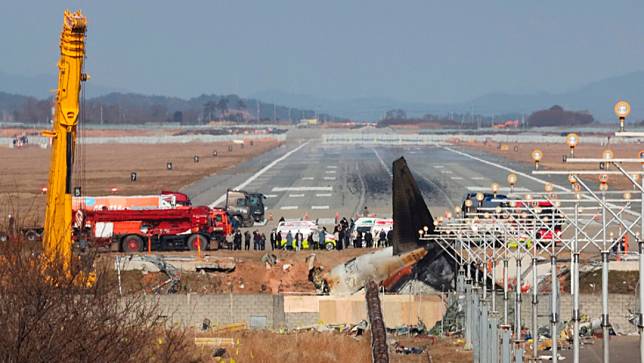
column 329, row 246
column 132, row 244
column 192, row 242
column 31, row 236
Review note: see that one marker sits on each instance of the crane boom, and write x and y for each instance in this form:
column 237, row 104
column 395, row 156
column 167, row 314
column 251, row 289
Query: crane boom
column 57, row 239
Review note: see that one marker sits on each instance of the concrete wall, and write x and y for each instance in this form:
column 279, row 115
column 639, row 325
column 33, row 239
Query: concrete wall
column 279, row 311
column 191, row 309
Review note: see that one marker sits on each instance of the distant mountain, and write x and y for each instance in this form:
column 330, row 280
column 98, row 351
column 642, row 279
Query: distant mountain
column 115, row 108
column 597, row 97
column 41, row 86
column 365, row 108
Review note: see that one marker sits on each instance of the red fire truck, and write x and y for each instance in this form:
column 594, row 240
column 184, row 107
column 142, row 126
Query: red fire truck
column 160, row 229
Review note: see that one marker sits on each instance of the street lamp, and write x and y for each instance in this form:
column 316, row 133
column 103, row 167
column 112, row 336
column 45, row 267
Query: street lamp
column 572, row 140
column 468, row 205
column 512, row 180
column 572, row 180
column 480, row 196
column 495, row 188
column 622, row 109
column 537, row 155
column 608, row 154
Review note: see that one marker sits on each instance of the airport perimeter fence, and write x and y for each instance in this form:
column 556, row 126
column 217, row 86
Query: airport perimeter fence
column 432, row 139
column 179, row 139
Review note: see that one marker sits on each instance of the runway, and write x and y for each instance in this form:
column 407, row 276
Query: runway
column 318, row 180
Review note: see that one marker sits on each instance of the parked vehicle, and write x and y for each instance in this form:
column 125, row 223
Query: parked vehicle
column 164, row 200
column 373, row 225
column 163, row 229
column 247, row 208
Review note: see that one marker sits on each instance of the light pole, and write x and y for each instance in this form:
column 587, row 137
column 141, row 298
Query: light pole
column 622, row 110
column 572, row 140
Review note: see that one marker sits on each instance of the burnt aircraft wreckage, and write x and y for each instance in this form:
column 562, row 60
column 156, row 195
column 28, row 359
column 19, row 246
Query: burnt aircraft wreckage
column 408, row 259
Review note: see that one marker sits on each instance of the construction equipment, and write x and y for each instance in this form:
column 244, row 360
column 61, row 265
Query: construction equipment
column 247, row 208
column 133, row 231
column 57, row 239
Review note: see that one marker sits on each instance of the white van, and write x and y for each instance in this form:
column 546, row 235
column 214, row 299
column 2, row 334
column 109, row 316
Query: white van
column 373, row 225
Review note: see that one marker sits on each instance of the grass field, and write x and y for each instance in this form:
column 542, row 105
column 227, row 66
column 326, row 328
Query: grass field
column 101, row 167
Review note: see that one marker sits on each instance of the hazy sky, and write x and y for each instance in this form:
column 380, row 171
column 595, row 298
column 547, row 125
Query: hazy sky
column 415, row 50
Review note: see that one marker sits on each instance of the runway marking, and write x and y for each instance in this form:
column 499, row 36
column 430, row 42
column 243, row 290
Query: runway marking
column 331, row 167
column 286, row 207
column 296, row 195
column 446, row 171
column 308, row 178
column 384, row 166
column 270, row 195
column 478, row 178
column 302, row 189
column 330, row 171
column 439, row 166
column 456, row 178
column 259, row 173
column 329, row 178
column 323, row 195
column 320, row 207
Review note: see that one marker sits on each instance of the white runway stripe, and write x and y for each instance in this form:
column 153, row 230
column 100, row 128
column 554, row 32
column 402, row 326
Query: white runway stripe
column 323, row 195
column 270, row 195
column 329, row 178
column 456, row 178
column 296, row 195
column 478, row 178
column 308, row 178
column 259, row 173
column 289, row 207
column 330, row 171
column 320, row 207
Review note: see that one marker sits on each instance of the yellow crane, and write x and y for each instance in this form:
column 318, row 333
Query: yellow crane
column 57, row 238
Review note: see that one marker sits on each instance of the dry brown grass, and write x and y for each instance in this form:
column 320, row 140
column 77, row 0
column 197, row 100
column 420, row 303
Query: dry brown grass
column 49, row 315
column 25, row 170
column 316, row 347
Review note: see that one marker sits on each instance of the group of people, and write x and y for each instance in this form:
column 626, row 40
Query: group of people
column 343, row 231
column 368, row 239
column 295, row 240
column 258, row 240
